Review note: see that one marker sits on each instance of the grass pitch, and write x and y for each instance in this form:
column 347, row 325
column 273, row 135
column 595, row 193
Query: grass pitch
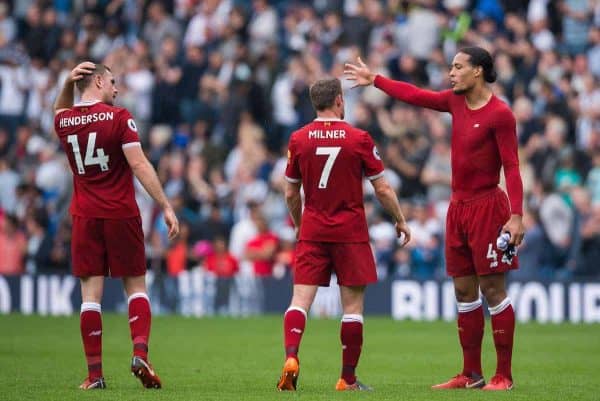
column 41, row 358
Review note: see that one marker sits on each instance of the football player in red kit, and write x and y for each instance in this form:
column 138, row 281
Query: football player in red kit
column 483, row 141
column 102, row 144
column 329, row 159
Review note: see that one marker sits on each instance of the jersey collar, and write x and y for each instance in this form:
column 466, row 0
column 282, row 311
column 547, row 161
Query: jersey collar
column 86, row 103
column 327, row 119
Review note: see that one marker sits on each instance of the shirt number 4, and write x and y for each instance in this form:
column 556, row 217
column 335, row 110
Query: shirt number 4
column 101, row 159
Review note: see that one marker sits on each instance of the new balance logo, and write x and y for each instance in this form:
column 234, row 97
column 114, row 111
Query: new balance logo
column 95, row 333
column 498, row 331
column 295, row 330
column 133, row 319
column 476, row 125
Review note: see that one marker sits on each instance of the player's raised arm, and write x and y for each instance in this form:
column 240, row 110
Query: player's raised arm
column 144, row 172
column 388, row 199
column 408, row 93
column 65, row 98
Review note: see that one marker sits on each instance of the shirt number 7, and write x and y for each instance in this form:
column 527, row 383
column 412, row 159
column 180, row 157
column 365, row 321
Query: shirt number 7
column 332, row 153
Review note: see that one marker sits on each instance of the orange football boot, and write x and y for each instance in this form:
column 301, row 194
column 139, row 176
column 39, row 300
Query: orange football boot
column 289, row 375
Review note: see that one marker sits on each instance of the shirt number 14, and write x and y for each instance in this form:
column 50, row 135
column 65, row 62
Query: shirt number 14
column 90, row 160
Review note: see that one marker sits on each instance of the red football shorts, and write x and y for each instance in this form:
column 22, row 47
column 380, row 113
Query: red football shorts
column 108, row 247
column 472, row 226
column 353, row 263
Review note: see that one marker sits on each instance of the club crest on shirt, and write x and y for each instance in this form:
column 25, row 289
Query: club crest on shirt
column 376, row 153
column 131, row 125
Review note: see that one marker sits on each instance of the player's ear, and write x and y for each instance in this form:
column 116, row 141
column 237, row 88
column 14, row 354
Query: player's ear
column 98, row 81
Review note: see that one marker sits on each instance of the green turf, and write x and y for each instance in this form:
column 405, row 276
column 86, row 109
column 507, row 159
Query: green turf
column 227, row 359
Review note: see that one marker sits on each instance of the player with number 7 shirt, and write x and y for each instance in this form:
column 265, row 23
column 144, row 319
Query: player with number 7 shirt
column 104, row 151
column 329, row 159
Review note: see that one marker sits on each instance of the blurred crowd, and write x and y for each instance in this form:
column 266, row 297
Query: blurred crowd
column 217, row 87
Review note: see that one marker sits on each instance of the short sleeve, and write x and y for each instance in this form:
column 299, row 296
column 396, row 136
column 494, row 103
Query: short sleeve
column 57, row 117
column 292, row 170
column 371, row 160
column 129, row 132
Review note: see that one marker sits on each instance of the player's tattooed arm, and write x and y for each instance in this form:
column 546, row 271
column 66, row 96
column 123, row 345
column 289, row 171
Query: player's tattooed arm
column 293, row 200
column 65, row 98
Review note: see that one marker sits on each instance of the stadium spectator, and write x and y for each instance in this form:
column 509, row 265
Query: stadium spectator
column 224, row 267
column 332, row 228
column 13, row 246
column 107, row 231
column 159, row 27
column 484, row 140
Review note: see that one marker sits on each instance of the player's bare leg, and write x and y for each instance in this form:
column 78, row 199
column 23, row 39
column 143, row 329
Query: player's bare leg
column 470, row 332
column 91, row 330
column 140, row 318
column 493, row 287
column 294, row 322
column 351, row 336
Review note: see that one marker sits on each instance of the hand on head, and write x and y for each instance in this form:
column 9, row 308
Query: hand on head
column 80, row 70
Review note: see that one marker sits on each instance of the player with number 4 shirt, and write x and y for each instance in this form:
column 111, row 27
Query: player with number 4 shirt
column 484, row 140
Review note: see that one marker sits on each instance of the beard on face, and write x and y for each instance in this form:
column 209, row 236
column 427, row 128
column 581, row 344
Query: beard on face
column 109, row 100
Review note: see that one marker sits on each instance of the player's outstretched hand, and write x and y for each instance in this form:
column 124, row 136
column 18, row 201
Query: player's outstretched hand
column 515, row 227
column 359, row 73
column 80, row 70
column 172, row 222
column 403, row 230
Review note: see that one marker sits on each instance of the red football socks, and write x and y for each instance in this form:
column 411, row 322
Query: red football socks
column 139, row 323
column 351, row 335
column 470, row 333
column 294, row 322
column 91, row 334
column 503, row 325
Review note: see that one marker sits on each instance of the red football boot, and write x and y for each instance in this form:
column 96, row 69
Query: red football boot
column 461, row 381
column 143, row 371
column 499, row 382
column 95, row 384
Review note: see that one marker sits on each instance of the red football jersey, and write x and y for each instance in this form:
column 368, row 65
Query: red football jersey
column 93, row 135
column 331, row 158
column 483, row 140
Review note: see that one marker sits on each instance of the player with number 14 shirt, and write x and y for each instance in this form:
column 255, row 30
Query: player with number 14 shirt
column 95, row 133
column 104, row 152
